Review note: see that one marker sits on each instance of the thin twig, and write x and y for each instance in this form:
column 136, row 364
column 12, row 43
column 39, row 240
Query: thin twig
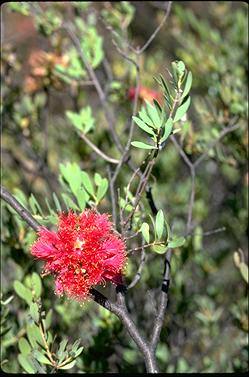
column 97, row 150
column 94, row 78
column 191, row 200
column 162, row 304
column 153, row 36
column 140, row 269
column 113, row 197
column 26, row 215
column 144, row 246
column 234, row 126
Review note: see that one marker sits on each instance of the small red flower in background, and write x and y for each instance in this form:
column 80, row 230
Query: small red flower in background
column 144, row 94
column 84, row 252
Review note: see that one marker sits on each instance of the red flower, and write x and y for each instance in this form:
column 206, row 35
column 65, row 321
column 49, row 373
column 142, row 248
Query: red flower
column 84, row 252
column 144, row 94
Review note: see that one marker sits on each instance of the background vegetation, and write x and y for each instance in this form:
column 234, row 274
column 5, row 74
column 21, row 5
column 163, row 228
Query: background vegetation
column 206, row 322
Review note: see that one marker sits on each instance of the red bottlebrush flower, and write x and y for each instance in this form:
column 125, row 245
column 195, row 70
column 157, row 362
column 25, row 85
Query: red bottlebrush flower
column 144, row 94
column 84, row 252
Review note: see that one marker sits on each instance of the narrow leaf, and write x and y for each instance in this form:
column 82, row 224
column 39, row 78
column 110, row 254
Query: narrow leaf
column 159, row 224
column 48, row 319
column 62, row 347
column 101, row 191
column 69, row 202
column 145, row 118
column 78, row 352
column 41, row 358
column 97, row 179
column 187, row 85
column 167, row 130
column 34, row 311
column 68, row 366
column 36, row 284
column 159, row 249
column 34, row 335
column 56, row 202
column 244, row 271
column 143, row 126
column 177, row 242
column 87, row 183
column 82, row 198
column 25, row 364
column 24, row 346
column 139, row 144
column 182, row 110
column 23, row 292
column 152, row 111
column 145, row 229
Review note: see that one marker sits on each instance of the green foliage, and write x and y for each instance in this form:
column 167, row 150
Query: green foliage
column 83, row 121
column 81, row 184
column 158, row 122
column 35, row 351
column 20, row 7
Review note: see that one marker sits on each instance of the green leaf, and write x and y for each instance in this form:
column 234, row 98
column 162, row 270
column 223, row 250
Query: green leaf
column 34, row 311
column 34, row 205
column 165, row 86
column 34, row 335
column 24, row 346
column 36, row 284
column 159, row 224
column 82, row 198
column 48, row 319
column 75, row 120
column 145, row 229
column 167, row 130
column 50, row 339
column 198, row 238
column 19, row 195
column 145, row 118
column 41, row 369
column 139, row 144
column 157, row 105
column 23, row 292
column 180, row 67
column 152, row 111
column 87, row 183
column 78, row 352
column 168, row 229
column 62, row 347
column 244, row 271
column 176, row 242
column 174, row 73
column 51, row 212
column 26, row 364
column 159, row 249
column 75, row 345
column 56, row 202
column 102, row 188
column 68, row 366
column 143, row 126
column 70, row 203
column 72, row 173
column 97, row 179
column 87, row 119
column 187, row 85
column 40, row 357
column 182, row 110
